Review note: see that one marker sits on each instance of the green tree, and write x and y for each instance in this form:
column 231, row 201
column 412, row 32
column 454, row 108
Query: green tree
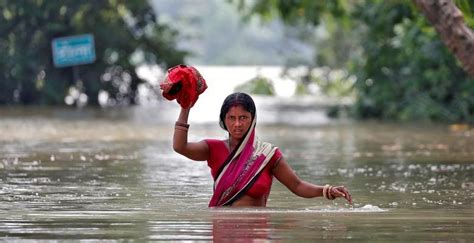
column 449, row 22
column 404, row 71
column 126, row 35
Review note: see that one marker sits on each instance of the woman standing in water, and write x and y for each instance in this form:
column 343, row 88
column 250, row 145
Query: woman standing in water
column 242, row 166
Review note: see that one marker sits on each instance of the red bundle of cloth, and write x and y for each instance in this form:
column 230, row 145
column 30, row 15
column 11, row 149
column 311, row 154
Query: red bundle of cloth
column 183, row 83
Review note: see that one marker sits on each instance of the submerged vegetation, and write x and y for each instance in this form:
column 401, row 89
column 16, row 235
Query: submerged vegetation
column 258, row 85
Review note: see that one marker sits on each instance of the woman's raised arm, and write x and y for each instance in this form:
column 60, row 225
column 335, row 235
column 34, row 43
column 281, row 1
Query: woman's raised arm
column 192, row 150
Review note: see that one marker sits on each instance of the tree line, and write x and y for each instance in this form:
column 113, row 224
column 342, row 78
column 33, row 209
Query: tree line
column 126, row 35
column 411, row 59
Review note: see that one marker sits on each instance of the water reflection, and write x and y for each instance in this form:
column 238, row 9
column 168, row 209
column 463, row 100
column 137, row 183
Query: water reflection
column 112, row 175
column 279, row 224
column 241, row 225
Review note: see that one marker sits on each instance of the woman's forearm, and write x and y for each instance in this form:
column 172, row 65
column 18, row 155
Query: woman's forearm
column 308, row 190
column 180, row 137
column 183, row 115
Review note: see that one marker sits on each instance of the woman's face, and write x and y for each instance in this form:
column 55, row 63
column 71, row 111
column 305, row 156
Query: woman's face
column 238, row 121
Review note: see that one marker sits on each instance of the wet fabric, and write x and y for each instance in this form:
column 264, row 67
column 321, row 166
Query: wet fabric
column 261, row 187
column 241, row 169
column 183, row 83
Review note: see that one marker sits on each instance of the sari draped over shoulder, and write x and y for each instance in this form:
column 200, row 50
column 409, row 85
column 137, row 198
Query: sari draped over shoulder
column 241, row 169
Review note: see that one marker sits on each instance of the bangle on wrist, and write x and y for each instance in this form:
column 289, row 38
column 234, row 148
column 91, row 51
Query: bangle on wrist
column 181, row 124
column 330, row 196
column 181, row 128
column 327, row 192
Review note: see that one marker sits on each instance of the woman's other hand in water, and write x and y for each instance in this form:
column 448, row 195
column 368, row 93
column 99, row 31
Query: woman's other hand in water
column 341, row 191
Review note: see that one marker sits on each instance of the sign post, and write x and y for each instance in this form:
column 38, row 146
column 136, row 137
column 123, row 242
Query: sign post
column 73, row 50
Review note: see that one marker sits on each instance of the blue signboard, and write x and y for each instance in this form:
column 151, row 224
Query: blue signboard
column 73, row 50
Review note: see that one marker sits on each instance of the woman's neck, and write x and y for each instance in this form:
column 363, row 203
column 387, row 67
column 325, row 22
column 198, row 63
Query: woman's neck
column 232, row 143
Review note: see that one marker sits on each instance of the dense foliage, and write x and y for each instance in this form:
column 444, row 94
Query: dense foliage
column 403, row 71
column 126, row 35
column 406, row 72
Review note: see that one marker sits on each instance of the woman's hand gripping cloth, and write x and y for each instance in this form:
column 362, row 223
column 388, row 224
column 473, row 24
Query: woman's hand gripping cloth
column 183, row 83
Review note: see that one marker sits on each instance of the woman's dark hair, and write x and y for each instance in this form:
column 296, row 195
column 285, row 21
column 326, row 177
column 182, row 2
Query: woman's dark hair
column 236, row 99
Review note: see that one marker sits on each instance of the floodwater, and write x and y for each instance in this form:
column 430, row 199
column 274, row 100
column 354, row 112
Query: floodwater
column 68, row 174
